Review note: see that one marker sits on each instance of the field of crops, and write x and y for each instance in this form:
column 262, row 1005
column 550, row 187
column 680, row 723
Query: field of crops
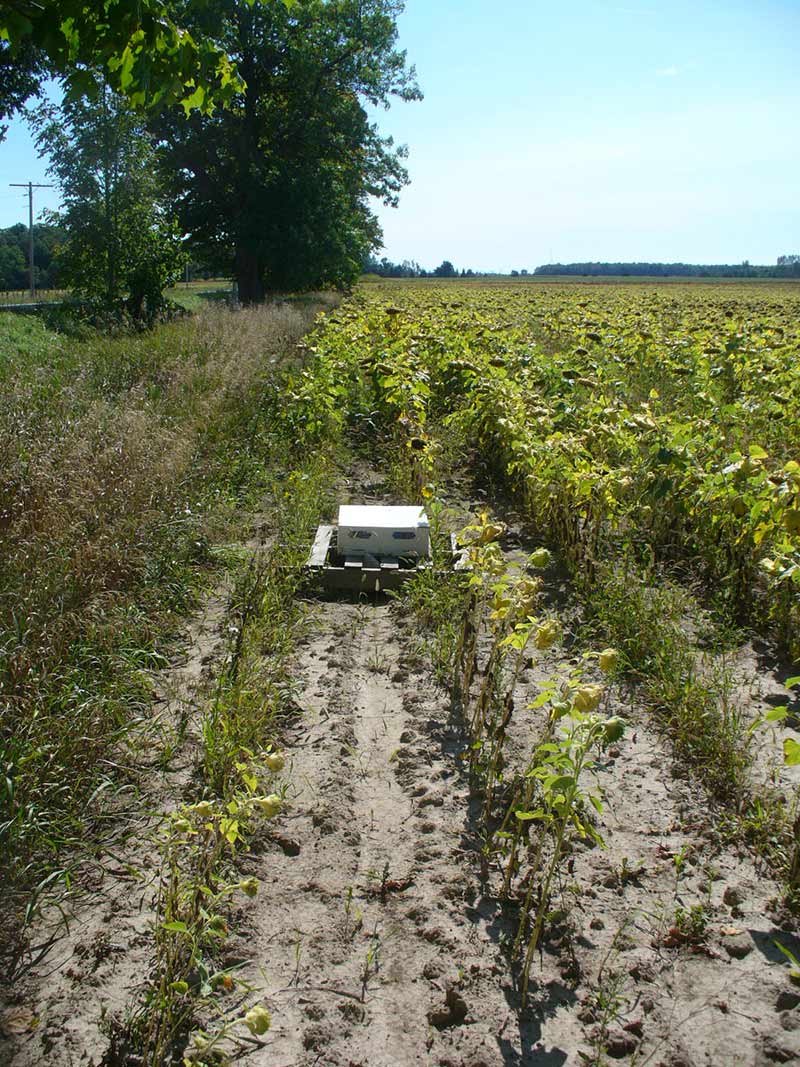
column 541, row 811
column 639, row 423
column 643, row 441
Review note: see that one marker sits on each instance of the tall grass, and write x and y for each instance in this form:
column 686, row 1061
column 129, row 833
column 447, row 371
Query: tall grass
column 650, row 620
column 120, row 459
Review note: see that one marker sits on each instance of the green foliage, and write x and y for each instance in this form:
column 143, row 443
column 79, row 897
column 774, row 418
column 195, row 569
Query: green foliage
column 198, row 844
column 122, row 459
column 21, row 69
column 651, row 436
column 119, row 241
column 143, row 49
column 277, row 187
column 628, row 423
column 446, row 270
column 786, row 267
column 255, row 686
column 14, row 256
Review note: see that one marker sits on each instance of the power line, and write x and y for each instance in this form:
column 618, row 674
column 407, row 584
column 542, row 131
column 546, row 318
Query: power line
column 30, row 186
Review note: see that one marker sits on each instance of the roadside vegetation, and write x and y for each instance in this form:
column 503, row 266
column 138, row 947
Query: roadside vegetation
column 126, row 463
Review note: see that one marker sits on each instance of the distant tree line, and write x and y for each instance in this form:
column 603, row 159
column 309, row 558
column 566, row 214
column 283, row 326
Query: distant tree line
column 786, row 267
column 14, row 256
column 409, row 268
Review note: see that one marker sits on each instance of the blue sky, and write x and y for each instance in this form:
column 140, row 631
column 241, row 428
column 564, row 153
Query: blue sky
column 582, row 131
column 598, row 131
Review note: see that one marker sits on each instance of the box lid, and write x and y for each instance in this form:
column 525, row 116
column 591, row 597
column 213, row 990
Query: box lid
column 382, row 517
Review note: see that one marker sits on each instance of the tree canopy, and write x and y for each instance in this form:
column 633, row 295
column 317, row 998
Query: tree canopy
column 21, row 71
column 120, row 243
column 14, row 256
column 669, row 270
column 276, row 187
column 143, row 48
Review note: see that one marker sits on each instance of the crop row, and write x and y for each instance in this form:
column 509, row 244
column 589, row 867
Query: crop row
column 645, row 425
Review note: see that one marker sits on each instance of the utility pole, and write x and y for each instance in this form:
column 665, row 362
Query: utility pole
column 30, row 186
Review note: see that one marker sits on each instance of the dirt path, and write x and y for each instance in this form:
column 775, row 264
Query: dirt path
column 376, row 938
column 366, row 936
column 90, row 950
column 376, row 941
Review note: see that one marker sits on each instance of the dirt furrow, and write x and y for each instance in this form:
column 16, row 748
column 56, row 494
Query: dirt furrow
column 371, row 948
column 379, row 941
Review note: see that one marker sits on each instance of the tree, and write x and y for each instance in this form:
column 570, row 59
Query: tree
column 13, row 271
column 142, row 47
column 21, row 71
column 384, row 267
column 14, row 255
column 276, row 187
column 119, row 241
column 445, row 270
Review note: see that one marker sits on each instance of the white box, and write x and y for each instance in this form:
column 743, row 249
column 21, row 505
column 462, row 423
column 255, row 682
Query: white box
column 372, row 529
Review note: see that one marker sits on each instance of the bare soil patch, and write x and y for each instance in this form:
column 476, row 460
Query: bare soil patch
column 380, row 941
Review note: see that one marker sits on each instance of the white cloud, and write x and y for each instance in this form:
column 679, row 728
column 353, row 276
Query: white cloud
column 667, row 72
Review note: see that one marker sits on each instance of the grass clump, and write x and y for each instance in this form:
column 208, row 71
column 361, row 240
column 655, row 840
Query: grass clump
column 651, row 621
column 123, row 459
column 254, row 690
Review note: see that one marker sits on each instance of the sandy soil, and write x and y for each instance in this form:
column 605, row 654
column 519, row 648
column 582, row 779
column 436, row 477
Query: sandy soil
column 377, row 939
column 90, row 950
column 380, row 943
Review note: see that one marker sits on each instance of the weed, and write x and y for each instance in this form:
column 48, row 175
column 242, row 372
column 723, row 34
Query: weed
column 353, row 917
column 196, row 843
column 372, row 962
column 689, row 926
column 794, row 968
column 122, row 460
column 648, row 621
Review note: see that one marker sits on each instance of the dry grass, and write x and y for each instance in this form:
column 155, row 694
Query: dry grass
column 120, row 459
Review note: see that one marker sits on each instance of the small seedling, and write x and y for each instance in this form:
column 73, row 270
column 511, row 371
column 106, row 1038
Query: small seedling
column 353, row 917
column 794, row 970
column 371, row 962
column 689, row 926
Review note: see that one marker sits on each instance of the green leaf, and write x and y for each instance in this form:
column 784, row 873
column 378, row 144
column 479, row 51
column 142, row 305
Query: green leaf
column 777, row 714
column 540, row 701
column 790, row 683
column 526, row 816
column 790, row 956
column 563, row 783
column 613, row 729
column 176, row 927
column 197, row 99
column 791, row 753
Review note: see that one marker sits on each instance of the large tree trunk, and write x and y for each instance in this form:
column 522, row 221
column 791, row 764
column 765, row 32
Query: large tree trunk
column 248, row 276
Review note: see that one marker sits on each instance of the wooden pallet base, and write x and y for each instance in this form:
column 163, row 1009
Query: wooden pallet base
column 362, row 574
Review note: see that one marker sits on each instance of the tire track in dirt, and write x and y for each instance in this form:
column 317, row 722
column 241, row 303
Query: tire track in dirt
column 374, row 945
column 417, row 974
